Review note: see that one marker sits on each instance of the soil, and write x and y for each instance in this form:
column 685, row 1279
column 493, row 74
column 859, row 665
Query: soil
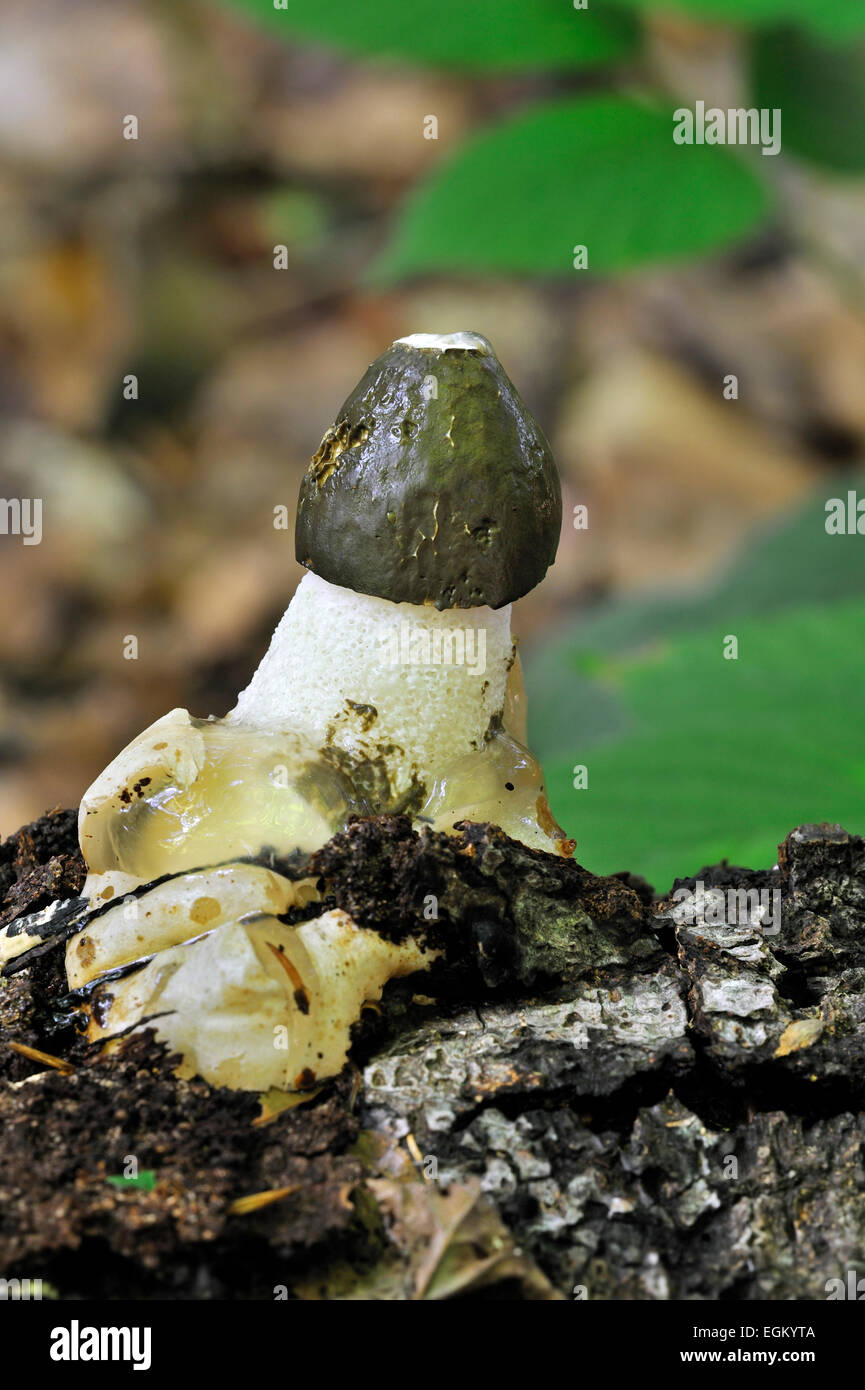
column 589, row 1096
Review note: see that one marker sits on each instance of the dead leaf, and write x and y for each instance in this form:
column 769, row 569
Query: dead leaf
column 802, row 1033
column 274, row 1102
column 454, row 1241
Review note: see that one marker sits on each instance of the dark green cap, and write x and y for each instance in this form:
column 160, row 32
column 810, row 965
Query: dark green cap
column 435, row 484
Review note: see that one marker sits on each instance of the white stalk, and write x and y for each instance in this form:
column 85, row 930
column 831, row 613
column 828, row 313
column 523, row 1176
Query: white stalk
column 413, row 685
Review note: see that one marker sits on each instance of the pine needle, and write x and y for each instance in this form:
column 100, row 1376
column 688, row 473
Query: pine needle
column 59, row 1063
column 244, row 1205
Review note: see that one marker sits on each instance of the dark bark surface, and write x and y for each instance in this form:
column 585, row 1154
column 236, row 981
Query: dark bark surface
column 589, row 1096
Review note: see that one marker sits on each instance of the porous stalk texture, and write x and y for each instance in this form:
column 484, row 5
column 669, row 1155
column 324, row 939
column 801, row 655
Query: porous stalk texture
column 413, row 685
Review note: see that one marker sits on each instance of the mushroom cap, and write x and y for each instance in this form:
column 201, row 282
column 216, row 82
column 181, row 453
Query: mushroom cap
column 435, row 484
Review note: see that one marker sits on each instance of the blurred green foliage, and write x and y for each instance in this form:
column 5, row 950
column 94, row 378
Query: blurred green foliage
column 820, row 90
column 692, row 757
column 834, row 19
column 603, row 168
column 723, row 758
column 504, row 36
column 600, row 173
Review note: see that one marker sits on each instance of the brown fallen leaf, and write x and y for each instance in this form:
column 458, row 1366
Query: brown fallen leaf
column 454, row 1241
column 802, row 1033
column 274, row 1102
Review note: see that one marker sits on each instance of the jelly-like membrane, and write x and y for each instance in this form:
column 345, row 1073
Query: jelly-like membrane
column 201, row 792
column 502, row 783
column 240, row 792
column 246, row 999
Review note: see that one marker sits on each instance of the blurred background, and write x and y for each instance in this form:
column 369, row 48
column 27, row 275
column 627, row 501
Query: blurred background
column 699, row 369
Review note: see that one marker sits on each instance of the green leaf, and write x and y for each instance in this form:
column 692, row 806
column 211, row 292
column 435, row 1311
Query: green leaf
column 146, row 1180
column 833, row 19
column 479, row 35
column 725, row 757
column 603, row 173
column 573, row 697
column 583, row 707
column 820, row 92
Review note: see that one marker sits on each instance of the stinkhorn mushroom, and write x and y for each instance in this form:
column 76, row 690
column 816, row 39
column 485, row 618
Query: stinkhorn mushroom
column 431, row 505
column 391, row 684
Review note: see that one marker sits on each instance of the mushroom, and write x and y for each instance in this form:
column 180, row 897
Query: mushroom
column 391, row 683
column 435, row 484
column 432, row 504
column 188, row 792
column 247, row 1000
